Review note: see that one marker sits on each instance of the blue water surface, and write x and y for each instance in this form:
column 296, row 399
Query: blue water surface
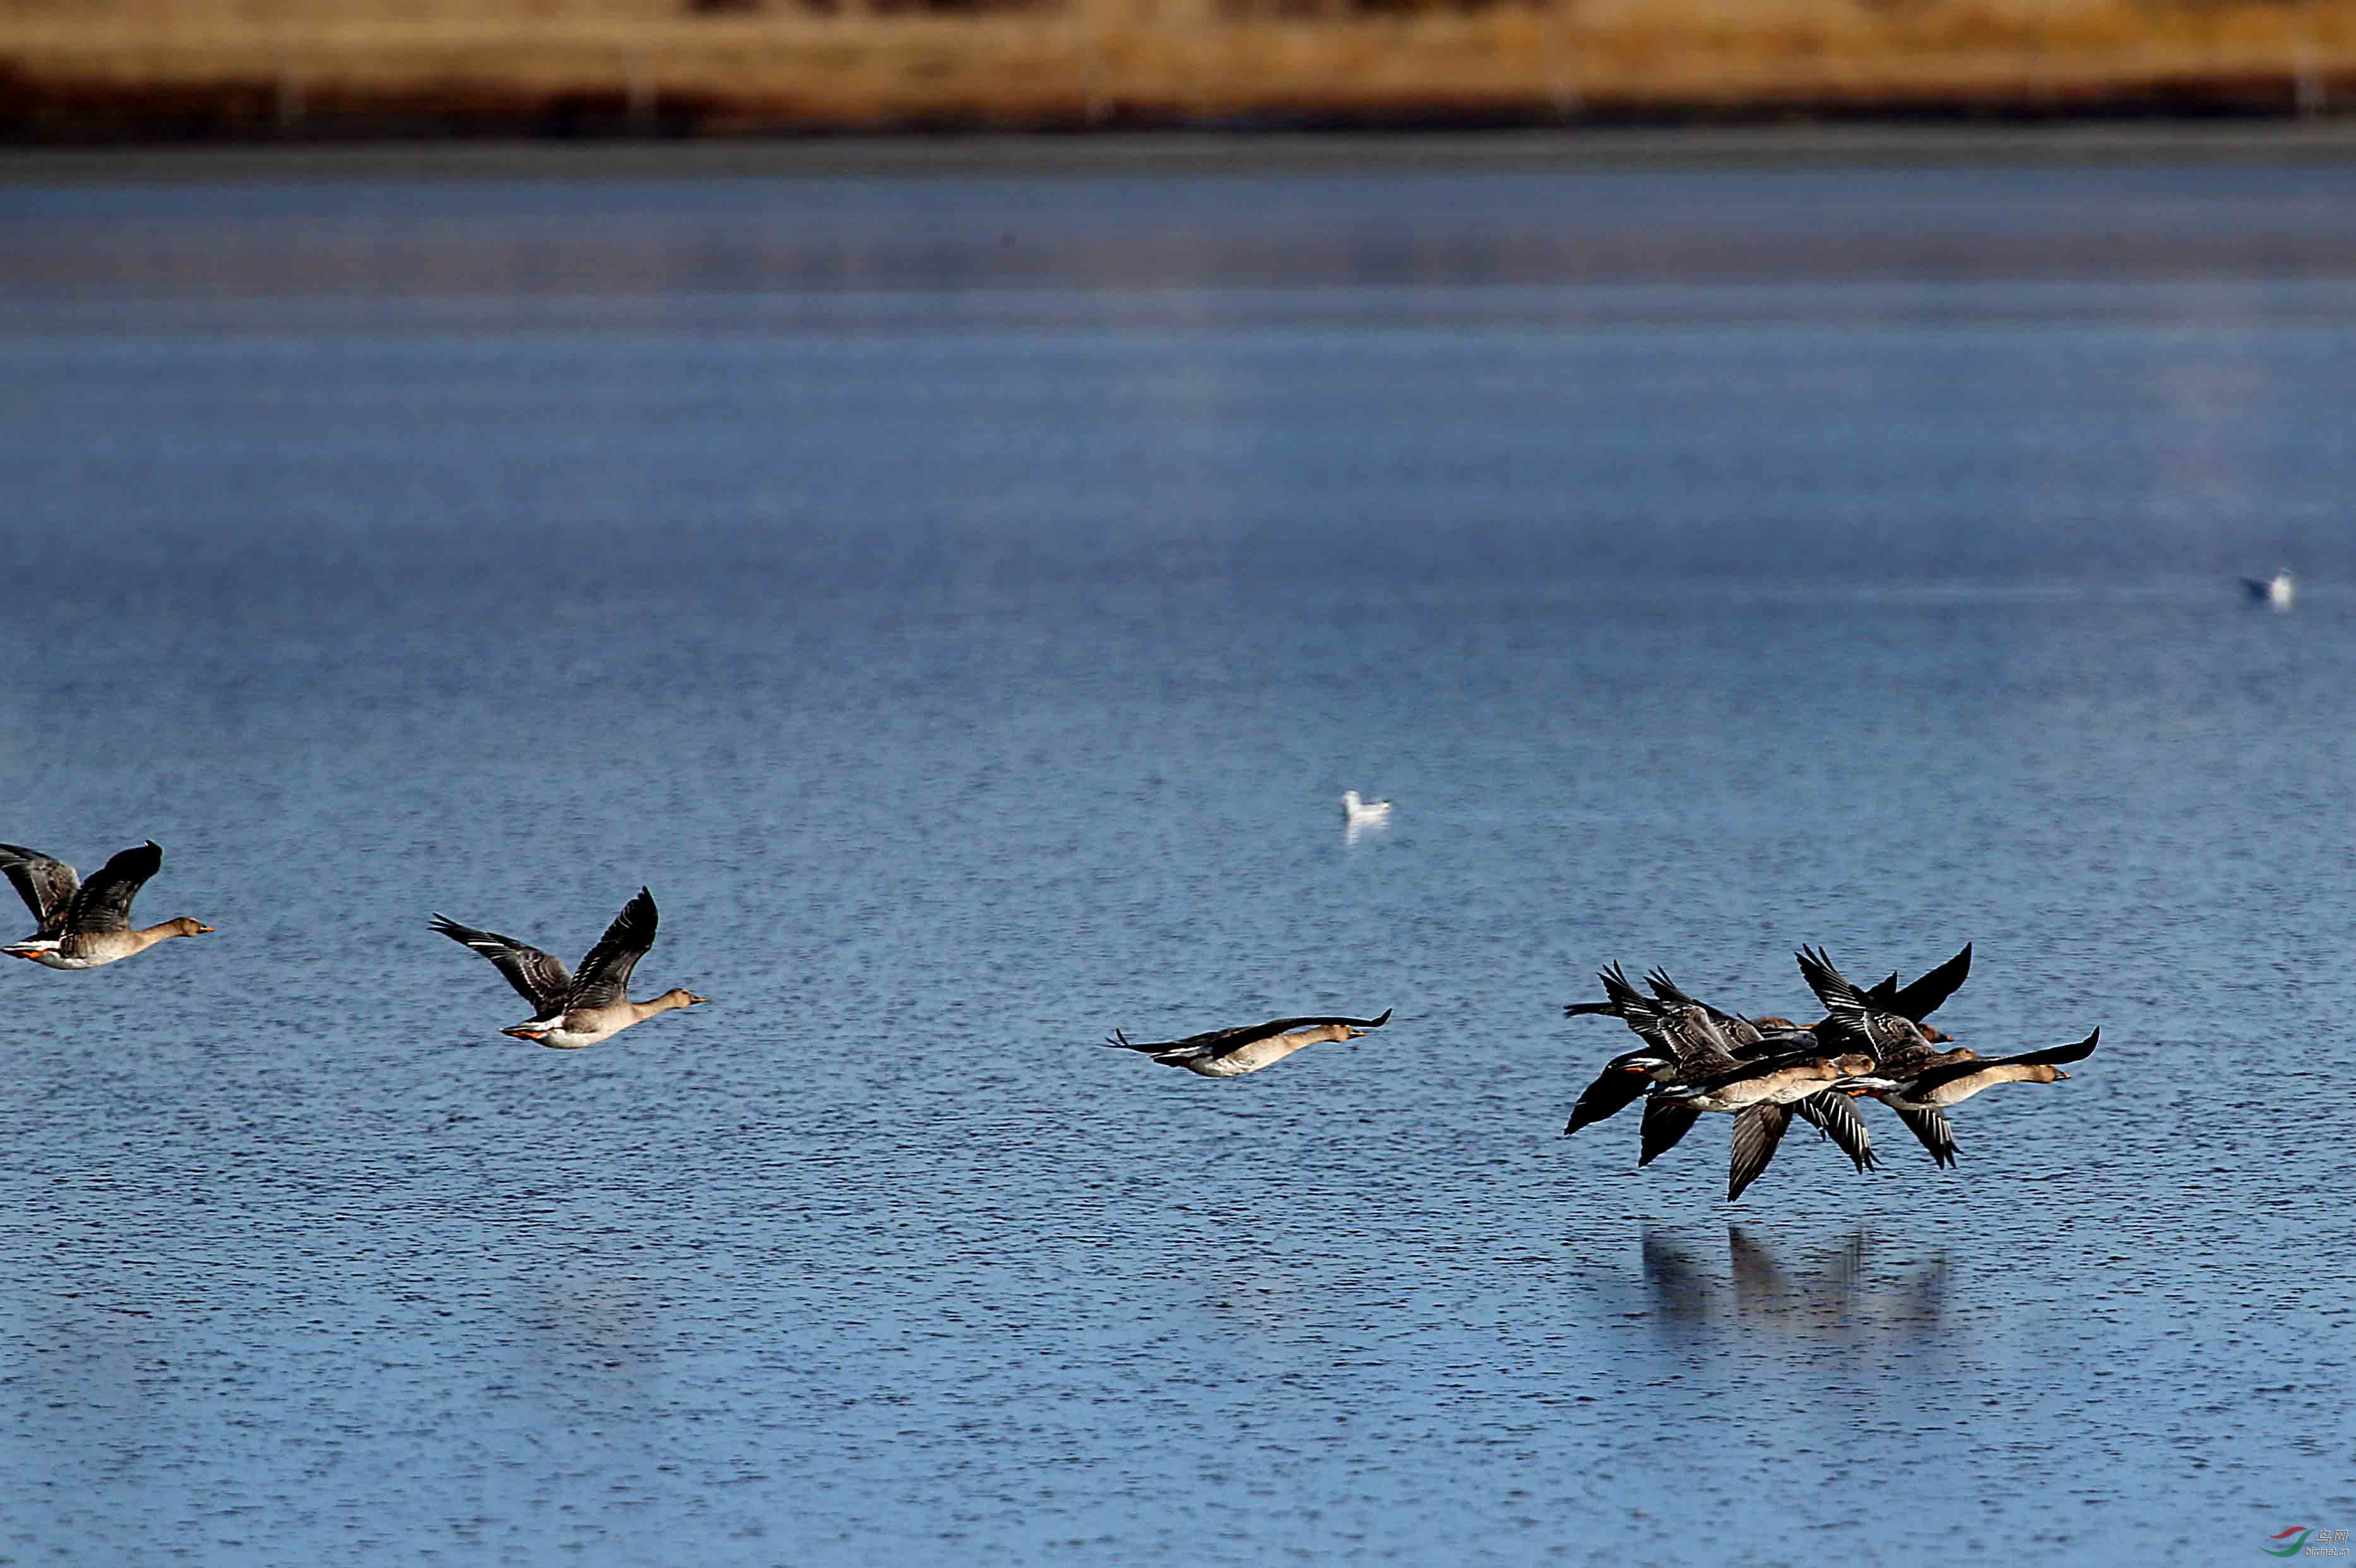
column 963, row 602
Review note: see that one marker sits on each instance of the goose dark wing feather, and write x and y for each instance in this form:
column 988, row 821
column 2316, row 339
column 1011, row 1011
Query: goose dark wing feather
column 540, row 978
column 1925, row 995
column 1665, row 1121
column 1835, row 1116
column 1622, row 999
column 1843, row 1000
column 103, row 902
column 1220, row 1042
column 1757, row 1130
column 1612, row 1093
column 1930, row 1127
column 1659, row 981
column 604, row 978
column 46, row 883
column 1851, row 1018
column 1669, row 991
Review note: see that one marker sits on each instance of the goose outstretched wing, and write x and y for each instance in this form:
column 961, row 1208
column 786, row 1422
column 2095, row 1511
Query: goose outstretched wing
column 1220, row 1042
column 103, row 902
column 605, row 975
column 541, row 978
column 46, row 883
column 1757, row 1130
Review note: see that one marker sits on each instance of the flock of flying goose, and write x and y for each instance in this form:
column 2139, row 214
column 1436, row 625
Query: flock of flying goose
column 1693, row 1058
column 1764, row 1071
column 86, row 926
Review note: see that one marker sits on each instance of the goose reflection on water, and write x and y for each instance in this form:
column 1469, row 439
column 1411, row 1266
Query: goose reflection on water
column 1854, row 1288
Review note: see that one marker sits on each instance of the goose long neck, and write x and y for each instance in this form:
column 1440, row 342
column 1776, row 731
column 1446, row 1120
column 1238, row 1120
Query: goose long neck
column 2021, row 1073
column 669, row 1001
column 153, row 934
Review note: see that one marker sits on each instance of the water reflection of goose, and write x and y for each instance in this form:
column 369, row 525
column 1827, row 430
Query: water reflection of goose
column 2277, row 590
column 1841, row 1290
column 1232, row 1052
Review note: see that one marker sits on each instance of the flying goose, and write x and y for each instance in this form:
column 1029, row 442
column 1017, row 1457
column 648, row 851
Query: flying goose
column 572, row 1011
column 1761, row 1095
column 85, row 926
column 1672, row 1036
column 1900, row 1052
column 1231, row 1052
column 1685, row 1039
column 1923, row 1098
column 1853, row 1020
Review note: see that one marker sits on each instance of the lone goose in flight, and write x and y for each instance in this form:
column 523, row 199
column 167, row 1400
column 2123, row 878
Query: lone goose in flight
column 1231, row 1052
column 85, row 926
column 1923, row 1098
column 569, row 1011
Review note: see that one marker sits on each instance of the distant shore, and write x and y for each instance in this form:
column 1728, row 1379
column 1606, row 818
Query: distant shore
column 163, row 72
column 2230, row 142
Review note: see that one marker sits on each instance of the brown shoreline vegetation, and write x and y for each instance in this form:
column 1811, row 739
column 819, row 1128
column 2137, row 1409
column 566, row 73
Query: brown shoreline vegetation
column 146, row 70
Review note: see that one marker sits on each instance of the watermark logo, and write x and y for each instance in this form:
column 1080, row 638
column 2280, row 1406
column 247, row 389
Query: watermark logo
column 2306, row 1541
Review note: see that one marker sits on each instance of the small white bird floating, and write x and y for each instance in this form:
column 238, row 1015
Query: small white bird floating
column 2275, row 592
column 1357, row 813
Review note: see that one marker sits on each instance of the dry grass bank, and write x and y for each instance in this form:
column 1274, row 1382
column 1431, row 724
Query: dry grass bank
column 80, row 69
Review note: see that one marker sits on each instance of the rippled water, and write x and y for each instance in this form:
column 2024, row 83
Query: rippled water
column 962, row 603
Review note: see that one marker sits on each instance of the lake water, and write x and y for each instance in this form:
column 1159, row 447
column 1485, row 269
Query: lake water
column 963, row 602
